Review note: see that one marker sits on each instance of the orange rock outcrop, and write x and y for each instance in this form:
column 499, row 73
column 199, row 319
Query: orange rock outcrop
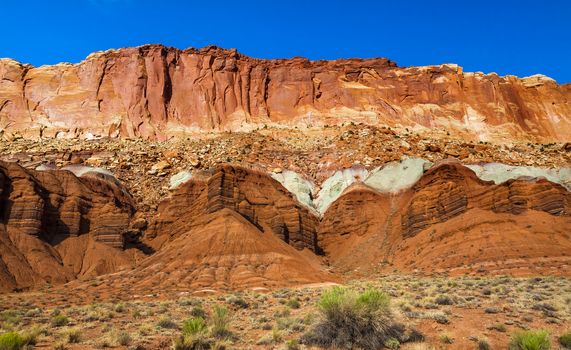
column 156, row 92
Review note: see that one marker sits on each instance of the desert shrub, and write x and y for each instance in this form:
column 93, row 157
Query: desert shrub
column 237, row 301
column 530, row 340
column 193, row 326
column 392, row 343
column 198, row 311
column 124, row 338
column 73, row 336
column 220, row 322
column 443, row 300
column 483, row 345
column 10, row 317
column 446, row 338
column 441, row 318
column 59, row 320
column 17, row 341
column 60, row 345
column 290, row 324
column 166, row 322
column 186, row 343
column 292, row 345
column 565, row 340
column 11, row 341
column 56, row 312
column 273, row 337
column 180, row 344
column 30, row 337
column 350, row 319
column 500, row 327
column 491, row 310
column 120, row 307
column 293, row 303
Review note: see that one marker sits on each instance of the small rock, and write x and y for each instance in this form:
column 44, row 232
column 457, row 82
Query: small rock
column 432, row 148
column 160, row 166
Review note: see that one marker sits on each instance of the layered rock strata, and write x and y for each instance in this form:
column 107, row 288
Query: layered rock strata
column 55, row 227
column 156, row 92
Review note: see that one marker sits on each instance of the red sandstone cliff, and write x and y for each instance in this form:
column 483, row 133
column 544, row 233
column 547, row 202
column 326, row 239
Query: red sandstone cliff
column 157, row 92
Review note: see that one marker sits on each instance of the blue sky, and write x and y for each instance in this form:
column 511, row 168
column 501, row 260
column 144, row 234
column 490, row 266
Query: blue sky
column 508, row 37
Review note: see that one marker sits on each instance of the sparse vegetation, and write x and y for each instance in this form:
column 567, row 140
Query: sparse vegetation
column 443, row 300
column 273, row 337
column 193, row 326
column 220, row 321
column 565, row 340
column 483, row 345
column 530, row 340
column 11, row 341
column 500, row 327
column 124, row 338
column 73, row 336
column 293, row 303
column 351, row 319
column 237, row 301
column 59, row 320
column 272, row 321
column 167, row 323
column 446, row 338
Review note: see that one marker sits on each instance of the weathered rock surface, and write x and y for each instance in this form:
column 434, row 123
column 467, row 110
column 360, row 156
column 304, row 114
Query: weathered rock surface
column 238, row 227
column 156, row 92
column 450, row 189
column 482, row 225
column 55, row 227
column 256, row 196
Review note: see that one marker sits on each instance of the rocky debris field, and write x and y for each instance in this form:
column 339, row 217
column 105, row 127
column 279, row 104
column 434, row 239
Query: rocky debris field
column 146, row 167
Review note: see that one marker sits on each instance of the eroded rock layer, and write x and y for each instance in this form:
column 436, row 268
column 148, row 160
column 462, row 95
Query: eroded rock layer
column 55, row 227
column 451, row 220
column 234, row 227
column 451, row 189
column 155, row 92
column 256, row 196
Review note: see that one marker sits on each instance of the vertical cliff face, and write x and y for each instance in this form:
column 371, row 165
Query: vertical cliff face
column 156, row 92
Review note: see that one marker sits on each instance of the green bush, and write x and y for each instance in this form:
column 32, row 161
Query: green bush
column 124, row 338
column 191, row 343
column 350, row 319
column 530, row 340
column 565, row 340
column 167, row 323
column 120, row 307
column 237, row 301
column 293, row 303
column 74, row 336
column 60, row 321
column 220, row 322
column 292, row 345
column 392, row 343
column 193, row 326
column 483, row 345
column 11, row 341
column 443, row 300
column 198, row 311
